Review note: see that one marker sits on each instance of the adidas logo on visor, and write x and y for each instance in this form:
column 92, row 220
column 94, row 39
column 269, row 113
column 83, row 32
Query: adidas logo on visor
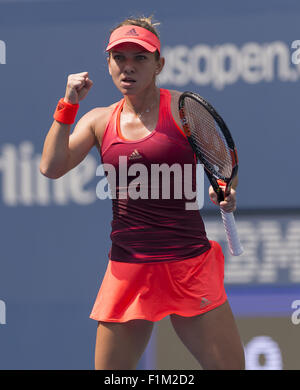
column 132, row 32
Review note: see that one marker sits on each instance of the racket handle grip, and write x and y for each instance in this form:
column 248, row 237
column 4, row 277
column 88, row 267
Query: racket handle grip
column 234, row 244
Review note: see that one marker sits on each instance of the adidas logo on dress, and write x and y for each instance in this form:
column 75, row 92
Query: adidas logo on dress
column 135, row 155
column 204, row 302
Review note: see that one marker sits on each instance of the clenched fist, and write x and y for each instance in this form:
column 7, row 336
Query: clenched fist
column 78, row 86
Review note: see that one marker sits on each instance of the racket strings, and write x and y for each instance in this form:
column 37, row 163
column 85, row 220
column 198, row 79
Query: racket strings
column 208, row 138
column 220, row 161
column 212, row 156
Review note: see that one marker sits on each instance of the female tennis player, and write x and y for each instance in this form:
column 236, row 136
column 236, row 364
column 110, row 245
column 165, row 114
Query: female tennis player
column 161, row 262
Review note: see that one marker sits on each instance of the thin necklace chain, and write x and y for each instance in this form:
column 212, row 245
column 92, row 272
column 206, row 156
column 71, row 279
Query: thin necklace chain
column 147, row 110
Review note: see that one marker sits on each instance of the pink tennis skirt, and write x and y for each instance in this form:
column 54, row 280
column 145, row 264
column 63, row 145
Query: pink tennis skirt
column 151, row 291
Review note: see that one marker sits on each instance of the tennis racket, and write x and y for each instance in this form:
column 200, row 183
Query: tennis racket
column 214, row 147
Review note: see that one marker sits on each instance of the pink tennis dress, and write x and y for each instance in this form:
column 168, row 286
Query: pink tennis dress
column 161, row 261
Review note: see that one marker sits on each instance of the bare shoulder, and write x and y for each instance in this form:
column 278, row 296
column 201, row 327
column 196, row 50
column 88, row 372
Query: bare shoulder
column 96, row 121
column 99, row 116
column 175, row 95
column 174, row 106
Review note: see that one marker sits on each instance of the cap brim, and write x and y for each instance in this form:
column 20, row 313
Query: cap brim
column 139, row 42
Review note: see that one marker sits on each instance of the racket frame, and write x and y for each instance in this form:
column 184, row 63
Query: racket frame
column 224, row 187
column 212, row 175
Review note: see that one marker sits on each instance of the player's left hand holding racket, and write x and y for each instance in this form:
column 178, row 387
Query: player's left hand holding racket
column 213, row 145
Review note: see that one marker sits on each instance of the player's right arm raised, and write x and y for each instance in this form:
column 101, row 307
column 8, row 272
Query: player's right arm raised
column 63, row 151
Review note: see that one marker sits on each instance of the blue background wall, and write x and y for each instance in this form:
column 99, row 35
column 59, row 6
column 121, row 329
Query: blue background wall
column 55, row 235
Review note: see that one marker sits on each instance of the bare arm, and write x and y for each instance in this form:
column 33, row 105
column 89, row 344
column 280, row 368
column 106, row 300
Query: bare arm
column 63, row 151
column 235, row 182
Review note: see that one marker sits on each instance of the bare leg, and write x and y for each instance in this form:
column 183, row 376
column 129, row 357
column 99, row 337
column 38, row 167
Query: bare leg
column 212, row 338
column 119, row 346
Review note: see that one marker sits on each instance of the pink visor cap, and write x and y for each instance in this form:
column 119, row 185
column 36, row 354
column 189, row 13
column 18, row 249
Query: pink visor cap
column 135, row 34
